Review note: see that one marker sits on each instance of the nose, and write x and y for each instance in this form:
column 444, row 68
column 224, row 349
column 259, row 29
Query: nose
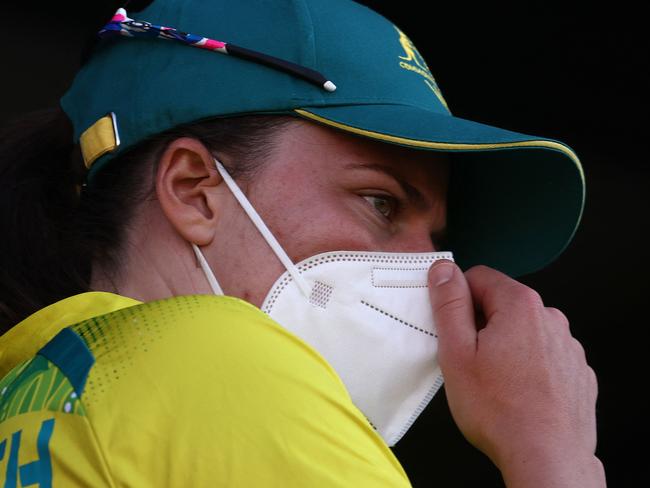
column 413, row 240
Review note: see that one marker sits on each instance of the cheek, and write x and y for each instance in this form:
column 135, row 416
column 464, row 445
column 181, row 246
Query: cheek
column 316, row 225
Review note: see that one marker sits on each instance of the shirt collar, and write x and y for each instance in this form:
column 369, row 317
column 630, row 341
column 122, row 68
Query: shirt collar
column 26, row 338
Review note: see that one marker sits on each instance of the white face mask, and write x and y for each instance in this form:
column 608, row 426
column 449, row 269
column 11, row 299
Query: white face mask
column 368, row 314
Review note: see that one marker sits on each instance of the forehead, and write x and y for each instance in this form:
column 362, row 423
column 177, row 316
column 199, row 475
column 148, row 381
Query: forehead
column 329, row 150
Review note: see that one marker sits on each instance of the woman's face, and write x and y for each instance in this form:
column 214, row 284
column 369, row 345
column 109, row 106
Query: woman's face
column 325, row 190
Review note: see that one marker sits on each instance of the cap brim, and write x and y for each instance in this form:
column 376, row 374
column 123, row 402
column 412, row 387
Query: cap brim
column 515, row 200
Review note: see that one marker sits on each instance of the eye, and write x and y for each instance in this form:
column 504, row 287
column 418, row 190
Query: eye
column 383, row 204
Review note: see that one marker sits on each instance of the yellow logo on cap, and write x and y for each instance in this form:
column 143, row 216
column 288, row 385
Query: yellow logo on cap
column 420, row 67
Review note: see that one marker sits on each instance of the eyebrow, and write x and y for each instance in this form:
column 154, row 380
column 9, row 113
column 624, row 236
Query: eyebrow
column 414, row 195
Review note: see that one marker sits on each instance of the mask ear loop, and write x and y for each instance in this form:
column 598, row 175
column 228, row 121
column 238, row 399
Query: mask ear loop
column 212, row 280
column 264, row 230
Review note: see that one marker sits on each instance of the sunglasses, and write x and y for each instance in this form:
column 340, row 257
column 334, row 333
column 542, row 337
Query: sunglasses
column 122, row 25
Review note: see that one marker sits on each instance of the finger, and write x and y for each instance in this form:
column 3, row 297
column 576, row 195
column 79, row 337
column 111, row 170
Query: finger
column 493, row 291
column 453, row 313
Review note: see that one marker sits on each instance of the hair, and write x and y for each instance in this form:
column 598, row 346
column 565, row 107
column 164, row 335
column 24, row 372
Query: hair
column 56, row 228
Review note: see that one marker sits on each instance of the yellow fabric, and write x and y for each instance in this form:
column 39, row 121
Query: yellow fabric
column 98, row 139
column 75, row 455
column 23, row 340
column 197, row 391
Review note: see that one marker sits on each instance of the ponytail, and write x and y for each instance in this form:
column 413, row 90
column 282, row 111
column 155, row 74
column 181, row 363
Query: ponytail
column 41, row 261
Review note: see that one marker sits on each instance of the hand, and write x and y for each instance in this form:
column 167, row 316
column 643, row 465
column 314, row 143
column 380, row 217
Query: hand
column 518, row 384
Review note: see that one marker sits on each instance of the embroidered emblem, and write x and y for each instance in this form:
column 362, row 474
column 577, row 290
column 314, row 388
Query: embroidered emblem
column 413, row 61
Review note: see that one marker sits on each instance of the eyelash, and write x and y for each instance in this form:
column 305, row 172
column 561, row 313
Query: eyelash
column 391, row 200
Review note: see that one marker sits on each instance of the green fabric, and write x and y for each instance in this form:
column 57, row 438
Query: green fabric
column 518, row 222
column 513, row 208
column 38, row 385
column 71, row 355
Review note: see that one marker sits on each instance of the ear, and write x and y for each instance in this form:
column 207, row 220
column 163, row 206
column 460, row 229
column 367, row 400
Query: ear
column 189, row 189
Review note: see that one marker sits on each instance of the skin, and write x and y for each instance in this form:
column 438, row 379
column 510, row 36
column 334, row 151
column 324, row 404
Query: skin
column 518, row 384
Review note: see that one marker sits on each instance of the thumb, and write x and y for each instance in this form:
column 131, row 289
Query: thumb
column 453, row 314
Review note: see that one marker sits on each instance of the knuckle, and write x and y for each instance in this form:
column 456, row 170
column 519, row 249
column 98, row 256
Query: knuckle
column 580, row 350
column 452, row 305
column 591, row 382
column 558, row 316
column 527, row 296
column 593, row 378
column 478, row 270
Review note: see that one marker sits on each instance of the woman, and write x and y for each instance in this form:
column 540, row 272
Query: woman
column 302, row 199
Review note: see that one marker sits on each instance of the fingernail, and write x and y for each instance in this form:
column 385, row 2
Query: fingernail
column 441, row 273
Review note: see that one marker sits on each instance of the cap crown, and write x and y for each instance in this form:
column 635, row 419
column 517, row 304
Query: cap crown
column 152, row 85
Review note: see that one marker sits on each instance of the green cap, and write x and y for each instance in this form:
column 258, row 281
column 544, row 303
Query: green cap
column 515, row 200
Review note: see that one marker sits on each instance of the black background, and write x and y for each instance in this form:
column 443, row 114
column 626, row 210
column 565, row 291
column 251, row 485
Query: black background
column 540, row 70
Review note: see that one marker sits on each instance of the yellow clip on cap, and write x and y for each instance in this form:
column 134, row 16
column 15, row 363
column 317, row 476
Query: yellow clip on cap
column 99, row 138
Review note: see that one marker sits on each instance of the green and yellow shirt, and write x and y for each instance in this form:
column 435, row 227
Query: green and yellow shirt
column 102, row 390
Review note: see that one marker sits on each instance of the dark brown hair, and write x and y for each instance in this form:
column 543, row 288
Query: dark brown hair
column 53, row 233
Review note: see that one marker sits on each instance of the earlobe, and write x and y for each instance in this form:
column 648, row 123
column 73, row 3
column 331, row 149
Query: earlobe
column 188, row 190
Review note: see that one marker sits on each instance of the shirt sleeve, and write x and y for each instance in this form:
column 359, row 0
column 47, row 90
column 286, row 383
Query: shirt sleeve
column 209, row 391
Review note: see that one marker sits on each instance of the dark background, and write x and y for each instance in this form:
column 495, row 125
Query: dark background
column 540, row 70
